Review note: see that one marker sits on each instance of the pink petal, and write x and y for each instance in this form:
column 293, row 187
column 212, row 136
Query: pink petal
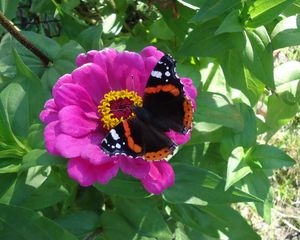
column 67, row 78
column 49, row 114
column 50, row 134
column 150, row 63
column 85, row 58
column 179, row 138
column 105, row 59
column 73, row 94
column 136, row 167
column 150, row 56
column 92, row 77
column 151, row 51
column 87, row 173
column 130, row 74
column 82, row 171
column 189, row 90
column 71, row 147
column 107, row 171
column 74, row 121
column 160, row 177
column 94, row 154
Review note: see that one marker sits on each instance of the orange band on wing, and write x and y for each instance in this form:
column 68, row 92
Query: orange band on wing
column 130, row 142
column 165, row 88
column 188, row 113
column 157, row 156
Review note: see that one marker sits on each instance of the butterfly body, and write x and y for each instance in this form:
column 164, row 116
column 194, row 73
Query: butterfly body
column 165, row 107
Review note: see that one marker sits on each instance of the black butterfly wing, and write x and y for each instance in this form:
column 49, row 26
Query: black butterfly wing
column 136, row 138
column 165, row 99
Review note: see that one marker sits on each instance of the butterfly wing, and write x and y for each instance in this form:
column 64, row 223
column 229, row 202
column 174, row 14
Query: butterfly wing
column 165, row 99
column 165, row 107
column 136, row 138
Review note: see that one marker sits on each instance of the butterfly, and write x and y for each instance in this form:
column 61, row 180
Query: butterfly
column 165, row 107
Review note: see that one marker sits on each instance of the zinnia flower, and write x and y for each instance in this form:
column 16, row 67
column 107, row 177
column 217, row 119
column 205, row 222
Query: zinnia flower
column 78, row 116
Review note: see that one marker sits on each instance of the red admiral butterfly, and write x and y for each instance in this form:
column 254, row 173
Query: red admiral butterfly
column 165, row 107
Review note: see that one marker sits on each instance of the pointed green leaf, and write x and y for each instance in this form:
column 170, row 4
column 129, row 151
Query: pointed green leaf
column 286, row 33
column 199, row 187
column 22, row 223
column 237, row 167
column 264, row 11
column 215, row 108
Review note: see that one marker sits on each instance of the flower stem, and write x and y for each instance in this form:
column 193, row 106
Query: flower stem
column 210, row 76
column 23, row 40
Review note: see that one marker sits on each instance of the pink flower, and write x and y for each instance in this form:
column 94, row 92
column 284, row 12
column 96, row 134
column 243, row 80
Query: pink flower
column 75, row 127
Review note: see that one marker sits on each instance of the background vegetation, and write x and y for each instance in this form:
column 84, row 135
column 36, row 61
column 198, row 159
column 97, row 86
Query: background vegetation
column 245, row 121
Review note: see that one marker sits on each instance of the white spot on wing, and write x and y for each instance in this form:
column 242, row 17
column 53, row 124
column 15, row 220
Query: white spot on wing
column 156, row 74
column 167, row 73
column 118, row 146
column 114, row 134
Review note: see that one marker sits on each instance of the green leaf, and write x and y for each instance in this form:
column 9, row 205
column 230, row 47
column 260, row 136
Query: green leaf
column 264, row 11
column 245, row 137
column 39, row 157
column 215, row 221
column 190, row 71
column 90, row 38
column 49, row 193
column 268, row 157
column 9, row 8
column 258, row 55
column 190, row 154
column 212, row 9
column 199, row 187
column 178, row 24
column 238, row 75
column 193, row 4
column 159, row 29
column 6, row 186
column 215, row 108
column 207, row 132
column 135, row 219
column 31, row 225
column 286, row 33
column 279, row 113
column 237, row 167
column 9, row 165
column 259, row 185
column 183, row 232
column 73, row 222
column 38, row 188
column 292, row 9
column 22, row 99
column 124, row 186
column 250, row 64
column 287, row 78
column 69, row 5
column 36, row 136
column 7, row 60
column 42, row 6
column 231, row 23
column 112, row 24
column 64, row 62
column 203, row 42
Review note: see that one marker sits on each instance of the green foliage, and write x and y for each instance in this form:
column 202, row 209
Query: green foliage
column 225, row 46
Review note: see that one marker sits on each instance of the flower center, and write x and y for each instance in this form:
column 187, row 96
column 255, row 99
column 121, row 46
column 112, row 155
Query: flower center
column 116, row 106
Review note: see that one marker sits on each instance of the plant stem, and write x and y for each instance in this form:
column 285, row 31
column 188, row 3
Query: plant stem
column 210, row 76
column 23, row 40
